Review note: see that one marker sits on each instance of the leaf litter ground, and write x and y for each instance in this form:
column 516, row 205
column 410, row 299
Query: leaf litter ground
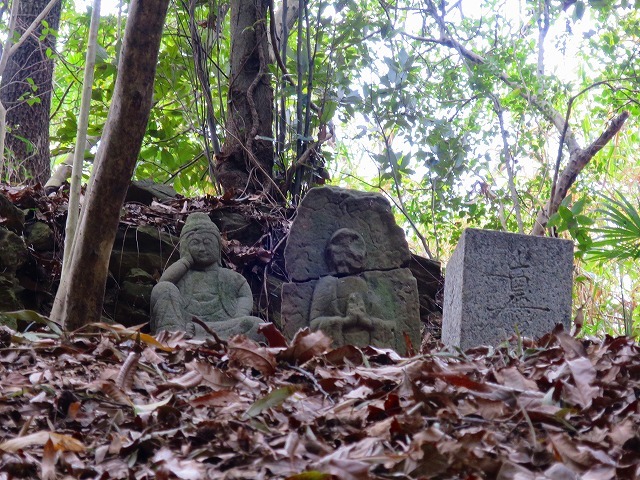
column 116, row 404
column 122, row 404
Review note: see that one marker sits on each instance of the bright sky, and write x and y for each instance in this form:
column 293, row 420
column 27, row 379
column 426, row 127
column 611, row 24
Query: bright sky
column 107, row 7
column 563, row 65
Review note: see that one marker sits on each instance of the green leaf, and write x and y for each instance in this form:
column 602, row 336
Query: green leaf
column 565, row 213
column 578, row 206
column 584, row 220
column 554, row 221
column 31, row 316
column 619, row 238
column 329, row 111
column 578, row 11
column 273, row 399
column 7, row 321
column 167, row 157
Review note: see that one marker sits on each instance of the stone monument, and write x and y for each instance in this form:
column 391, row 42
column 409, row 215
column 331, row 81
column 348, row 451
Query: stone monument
column 498, row 284
column 348, row 265
column 197, row 284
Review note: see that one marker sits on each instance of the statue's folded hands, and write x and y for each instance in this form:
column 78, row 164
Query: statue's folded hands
column 339, row 303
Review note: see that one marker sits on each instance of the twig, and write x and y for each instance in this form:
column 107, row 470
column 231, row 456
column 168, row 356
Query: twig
column 396, row 181
column 198, row 59
column 31, row 28
column 314, row 381
column 285, row 73
column 208, row 329
column 508, row 162
column 579, row 157
column 563, row 135
column 297, row 180
column 577, row 161
column 543, row 29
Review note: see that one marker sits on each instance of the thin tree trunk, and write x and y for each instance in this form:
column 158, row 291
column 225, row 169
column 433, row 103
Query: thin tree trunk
column 25, row 92
column 79, row 299
column 246, row 161
column 81, row 138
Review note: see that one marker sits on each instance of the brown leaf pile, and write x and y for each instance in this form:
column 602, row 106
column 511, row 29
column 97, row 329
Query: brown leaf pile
column 121, row 405
column 257, row 215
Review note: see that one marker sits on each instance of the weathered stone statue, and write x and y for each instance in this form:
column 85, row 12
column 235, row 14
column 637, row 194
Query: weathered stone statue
column 347, row 261
column 197, row 284
column 339, row 303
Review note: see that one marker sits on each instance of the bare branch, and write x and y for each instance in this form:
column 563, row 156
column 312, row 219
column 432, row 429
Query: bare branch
column 604, row 138
column 578, row 157
column 508, row 161
column 543, row 29
column 543, row 106
column 397, row 184
column 31, row 28
column 577, row 162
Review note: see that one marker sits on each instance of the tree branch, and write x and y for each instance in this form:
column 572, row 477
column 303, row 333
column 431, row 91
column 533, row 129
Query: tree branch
column 508, row 162
column 604, row 138
column 543, row 29
column 578, row 157
column 544, row 107
column 578, row 160
column 31, row 28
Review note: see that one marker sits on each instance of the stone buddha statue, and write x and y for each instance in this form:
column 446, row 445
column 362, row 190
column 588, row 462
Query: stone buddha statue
column 198, row 285
column 343, row 304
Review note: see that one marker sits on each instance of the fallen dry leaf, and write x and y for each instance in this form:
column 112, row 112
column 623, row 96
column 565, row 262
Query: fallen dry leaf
column 244, row 352
column 561, row 408
column 304, row 346
column 58, row 442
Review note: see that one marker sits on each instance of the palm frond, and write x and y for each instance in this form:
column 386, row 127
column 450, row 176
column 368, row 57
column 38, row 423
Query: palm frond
column 619, row 237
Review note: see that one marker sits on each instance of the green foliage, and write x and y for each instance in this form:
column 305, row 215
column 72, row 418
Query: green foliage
column 175, row 147
column 434, row 102
column 619, row 236
column 571, row 219
column 385, row 83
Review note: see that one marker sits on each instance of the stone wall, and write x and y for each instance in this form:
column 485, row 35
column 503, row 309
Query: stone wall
column 32, row 233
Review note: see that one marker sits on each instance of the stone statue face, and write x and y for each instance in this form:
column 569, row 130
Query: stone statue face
column 204, row 249
column 346, row 251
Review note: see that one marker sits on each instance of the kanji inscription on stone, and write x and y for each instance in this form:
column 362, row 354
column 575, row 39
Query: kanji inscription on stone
column 498, row 284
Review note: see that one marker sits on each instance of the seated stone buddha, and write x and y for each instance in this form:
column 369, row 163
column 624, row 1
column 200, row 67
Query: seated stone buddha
column 198, row 285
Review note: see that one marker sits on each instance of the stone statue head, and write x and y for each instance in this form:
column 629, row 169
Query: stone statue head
column 201, row 239
column 346, row 252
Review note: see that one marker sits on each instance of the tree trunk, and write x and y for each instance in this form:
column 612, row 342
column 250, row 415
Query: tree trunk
column 578, row 160
column 246, row 161
column 26, row 93
column 80, row 296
